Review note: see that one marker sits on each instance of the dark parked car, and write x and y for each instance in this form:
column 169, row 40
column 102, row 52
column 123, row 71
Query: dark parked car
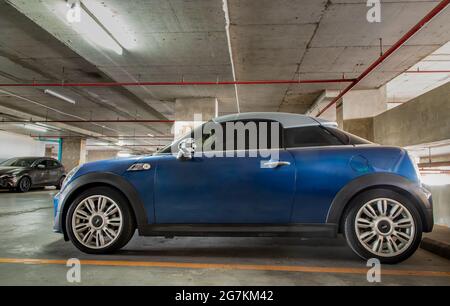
column 24, row 173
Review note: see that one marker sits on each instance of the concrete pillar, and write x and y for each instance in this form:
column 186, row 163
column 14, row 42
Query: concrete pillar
column 93, row 155
column 192, row 112
column 361, row 104
column 321, row 102
column 48, row 151
column 73, row 152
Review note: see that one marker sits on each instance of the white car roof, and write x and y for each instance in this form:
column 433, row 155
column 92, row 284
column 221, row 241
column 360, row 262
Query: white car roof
column 287, row 120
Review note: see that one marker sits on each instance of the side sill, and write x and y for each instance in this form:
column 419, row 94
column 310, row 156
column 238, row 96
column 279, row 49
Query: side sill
column 241, row 230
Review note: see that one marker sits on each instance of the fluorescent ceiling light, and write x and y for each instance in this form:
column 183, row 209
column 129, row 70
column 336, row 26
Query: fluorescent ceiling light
column 59, row 96
column 151, row 135
column 34, row 127
column 89, row 26
column 112, row 21
column 123, row 154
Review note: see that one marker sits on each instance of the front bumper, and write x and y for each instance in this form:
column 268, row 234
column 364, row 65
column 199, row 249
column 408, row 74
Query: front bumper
column 57, row 228
column 8, row 182
column 58, row 203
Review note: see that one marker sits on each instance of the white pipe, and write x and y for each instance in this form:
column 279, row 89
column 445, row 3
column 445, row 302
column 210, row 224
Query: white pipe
column 227, row 30
column 59, row 96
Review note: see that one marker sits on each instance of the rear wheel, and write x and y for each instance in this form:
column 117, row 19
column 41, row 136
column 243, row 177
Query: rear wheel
column 383, row 224
column 100, row 221
column 24, row 184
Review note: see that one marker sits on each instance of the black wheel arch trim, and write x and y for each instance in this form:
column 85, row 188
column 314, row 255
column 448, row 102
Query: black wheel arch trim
column 419, row 196
column 96, row 179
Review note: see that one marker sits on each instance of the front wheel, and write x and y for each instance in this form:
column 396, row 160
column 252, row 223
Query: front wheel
column 24, row 184
column 383, row 224
column 100, row 221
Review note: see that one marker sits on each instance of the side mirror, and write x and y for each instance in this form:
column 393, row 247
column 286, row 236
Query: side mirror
column 186, row 148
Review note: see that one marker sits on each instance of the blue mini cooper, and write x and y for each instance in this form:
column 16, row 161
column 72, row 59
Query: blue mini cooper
column 306, row 179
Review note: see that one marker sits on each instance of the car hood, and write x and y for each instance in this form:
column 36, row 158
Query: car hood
column 117, row 166
column 11, row 170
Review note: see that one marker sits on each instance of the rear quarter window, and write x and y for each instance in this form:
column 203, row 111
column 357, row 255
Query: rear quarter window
column 309, row 136
column 347, row 137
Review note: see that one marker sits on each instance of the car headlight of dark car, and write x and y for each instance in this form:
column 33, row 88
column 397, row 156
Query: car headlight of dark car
column 9, row 178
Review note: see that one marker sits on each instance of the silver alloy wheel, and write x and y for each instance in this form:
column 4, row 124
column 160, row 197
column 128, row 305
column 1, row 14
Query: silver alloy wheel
column 97, row 222
column 385, row 227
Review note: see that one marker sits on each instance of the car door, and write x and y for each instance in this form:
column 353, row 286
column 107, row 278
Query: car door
column 225, row 190
column 53, row 171
column 40, row 172
column 322, row 161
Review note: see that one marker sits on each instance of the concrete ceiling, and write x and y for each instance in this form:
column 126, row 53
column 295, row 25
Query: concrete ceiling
column 408, row 86
column 178, row 40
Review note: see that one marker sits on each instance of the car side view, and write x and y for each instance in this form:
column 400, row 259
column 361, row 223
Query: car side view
column 314, row 181
column 23, row 173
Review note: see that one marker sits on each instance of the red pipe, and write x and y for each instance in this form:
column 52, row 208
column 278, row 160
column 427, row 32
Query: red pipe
column 110, row 84
column 428, row 71
column 104, row 136
column 125, row 145
column 439, row 8
column 89, row 121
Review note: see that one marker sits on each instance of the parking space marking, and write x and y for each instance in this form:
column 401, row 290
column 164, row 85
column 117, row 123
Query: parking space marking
column 193, row 265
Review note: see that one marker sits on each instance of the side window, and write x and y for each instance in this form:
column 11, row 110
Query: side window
column 347, row 137
column 42, row 164
column 309, row 136
column 52, row 164
column 252, row 134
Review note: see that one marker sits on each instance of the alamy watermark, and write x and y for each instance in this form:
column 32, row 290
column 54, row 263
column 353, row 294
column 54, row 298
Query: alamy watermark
column 234, row 139
column 74, row 12
column 374, row 273
column 374, row 13
column 73, row 275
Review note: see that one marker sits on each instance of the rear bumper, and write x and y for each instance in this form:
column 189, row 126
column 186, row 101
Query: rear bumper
column 426, row 203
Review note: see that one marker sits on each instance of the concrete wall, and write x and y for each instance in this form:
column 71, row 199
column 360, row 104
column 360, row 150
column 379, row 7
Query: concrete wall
column 441, row 204
column 362, row 127
column 15, row 145
column 422, row 120
column 93, row 155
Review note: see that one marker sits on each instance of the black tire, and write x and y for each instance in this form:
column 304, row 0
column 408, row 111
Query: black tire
column 24, row 184
column 128, row 227
column 350, row 231
column 60, row 182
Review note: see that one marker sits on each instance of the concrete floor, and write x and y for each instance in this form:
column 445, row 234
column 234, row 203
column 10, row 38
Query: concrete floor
column 26, row 233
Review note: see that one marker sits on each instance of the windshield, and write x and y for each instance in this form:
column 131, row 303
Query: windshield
column 18, row 162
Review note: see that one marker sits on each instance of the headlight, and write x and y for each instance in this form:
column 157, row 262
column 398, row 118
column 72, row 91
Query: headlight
column 69, row 176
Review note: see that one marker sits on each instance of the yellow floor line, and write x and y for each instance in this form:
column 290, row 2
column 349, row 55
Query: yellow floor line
column 191, row 265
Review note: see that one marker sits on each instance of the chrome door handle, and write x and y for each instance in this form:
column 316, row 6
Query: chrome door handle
column 275, row 164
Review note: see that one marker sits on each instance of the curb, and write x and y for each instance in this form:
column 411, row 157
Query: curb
column 436, row 247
